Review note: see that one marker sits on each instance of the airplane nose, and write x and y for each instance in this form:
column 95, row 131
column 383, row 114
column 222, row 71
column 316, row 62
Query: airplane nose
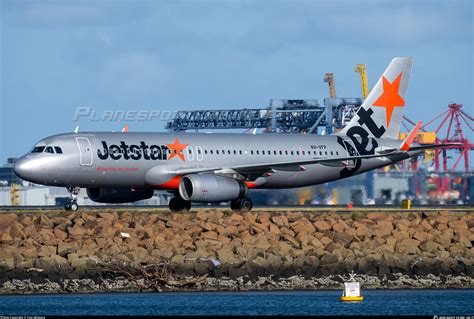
column 22, row 169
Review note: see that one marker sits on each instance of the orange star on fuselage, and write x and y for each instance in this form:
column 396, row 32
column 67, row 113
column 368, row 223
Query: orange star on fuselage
column 390, row 98
column 177, row 149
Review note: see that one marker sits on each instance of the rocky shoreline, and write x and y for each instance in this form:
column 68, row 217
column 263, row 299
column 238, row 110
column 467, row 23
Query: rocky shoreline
column 214, row 250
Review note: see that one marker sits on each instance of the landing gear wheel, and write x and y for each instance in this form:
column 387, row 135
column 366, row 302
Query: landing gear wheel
column 246, row 204
column 235, row 204
column 177, row 204
column 241, row 204
column 74, row 207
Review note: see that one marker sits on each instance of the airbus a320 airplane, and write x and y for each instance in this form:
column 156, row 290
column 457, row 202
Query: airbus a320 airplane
column 120, row 167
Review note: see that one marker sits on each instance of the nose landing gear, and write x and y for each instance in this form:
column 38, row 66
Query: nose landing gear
column 72, row 205
column 241, row 204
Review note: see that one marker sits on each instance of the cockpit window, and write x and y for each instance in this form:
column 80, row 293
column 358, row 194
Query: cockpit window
column 58, row 150
column 38, row 149
column 49, row 149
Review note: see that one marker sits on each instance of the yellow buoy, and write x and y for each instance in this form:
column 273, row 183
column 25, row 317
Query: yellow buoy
column 351, row 290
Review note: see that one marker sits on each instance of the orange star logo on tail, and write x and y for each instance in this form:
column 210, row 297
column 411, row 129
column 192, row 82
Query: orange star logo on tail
column 390, row 98
column 177, row 149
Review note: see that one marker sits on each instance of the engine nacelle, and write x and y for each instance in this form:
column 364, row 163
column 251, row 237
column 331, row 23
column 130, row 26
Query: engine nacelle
column 118, row 194
column 211, row 188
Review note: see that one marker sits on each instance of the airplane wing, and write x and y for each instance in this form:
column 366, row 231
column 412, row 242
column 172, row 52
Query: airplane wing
column 262, row 168
column 279, row 166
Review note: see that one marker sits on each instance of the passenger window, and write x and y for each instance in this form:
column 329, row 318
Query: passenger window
column 281, row 153
column 331, row 152
column 337, row 152
column 240, row 152
column 205, row 152
column 297, row 152
column 274, row 152
column 326, row 153
column 217, row 152
column 212, row 152
column 251, row 152
column 286, row 152
column 228, row 152
column 302, row 152
column 258, row 152
column 320, row 153
column 263, row 152
column 291, row 152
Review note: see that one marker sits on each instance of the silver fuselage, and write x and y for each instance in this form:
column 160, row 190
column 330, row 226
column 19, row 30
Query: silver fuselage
column 136, row 159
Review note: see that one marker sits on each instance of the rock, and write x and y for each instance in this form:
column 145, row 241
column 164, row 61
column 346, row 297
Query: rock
column 328, row 259
column 325, row 241
column 364, row 233
column 46, row 251
column 209, row 235
column 201, row 215
column 338, row 227
column 383, row 229
column 235, row 218
column 408, row 246
column 458, row 224
column 226, row 255
column 7, row 219
column 422, row 236
column 76, row 231
column 303, row 226
column 6, row 239
column 60, row 234
column 322, row 225
column 280, row 221
column 45, row 221
column 343, row 238
column 162, row 253
column 431, row 246
column 262, row 244
column 400, row 235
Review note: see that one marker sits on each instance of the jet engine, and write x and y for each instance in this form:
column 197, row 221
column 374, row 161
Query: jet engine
column 210, row 188
column 119, row 194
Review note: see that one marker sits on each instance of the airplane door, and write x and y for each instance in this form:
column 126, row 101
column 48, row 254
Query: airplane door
column 85, row 150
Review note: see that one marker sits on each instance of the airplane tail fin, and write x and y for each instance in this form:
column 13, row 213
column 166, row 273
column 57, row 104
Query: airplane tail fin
column 381, row 113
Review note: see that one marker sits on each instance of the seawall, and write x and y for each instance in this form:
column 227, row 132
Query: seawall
column 149, row 250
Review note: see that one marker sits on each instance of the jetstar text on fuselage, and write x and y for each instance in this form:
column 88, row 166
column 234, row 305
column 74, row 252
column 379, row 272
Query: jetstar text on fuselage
column 133, row 151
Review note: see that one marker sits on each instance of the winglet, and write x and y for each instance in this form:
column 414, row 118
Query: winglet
column 405, row 146
column 76, row 130
column 125, row 128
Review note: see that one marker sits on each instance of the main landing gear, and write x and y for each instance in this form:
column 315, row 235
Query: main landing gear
column 241, row 204
column 177, row 204
column 72, row 205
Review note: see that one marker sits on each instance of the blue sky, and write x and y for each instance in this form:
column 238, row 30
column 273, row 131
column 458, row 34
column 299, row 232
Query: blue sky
column 164, row 55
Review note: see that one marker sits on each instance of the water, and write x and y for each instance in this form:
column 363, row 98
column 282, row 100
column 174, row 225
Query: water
column 377, row 302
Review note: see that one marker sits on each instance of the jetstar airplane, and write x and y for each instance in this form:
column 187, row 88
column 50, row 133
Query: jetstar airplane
column 120, row 167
